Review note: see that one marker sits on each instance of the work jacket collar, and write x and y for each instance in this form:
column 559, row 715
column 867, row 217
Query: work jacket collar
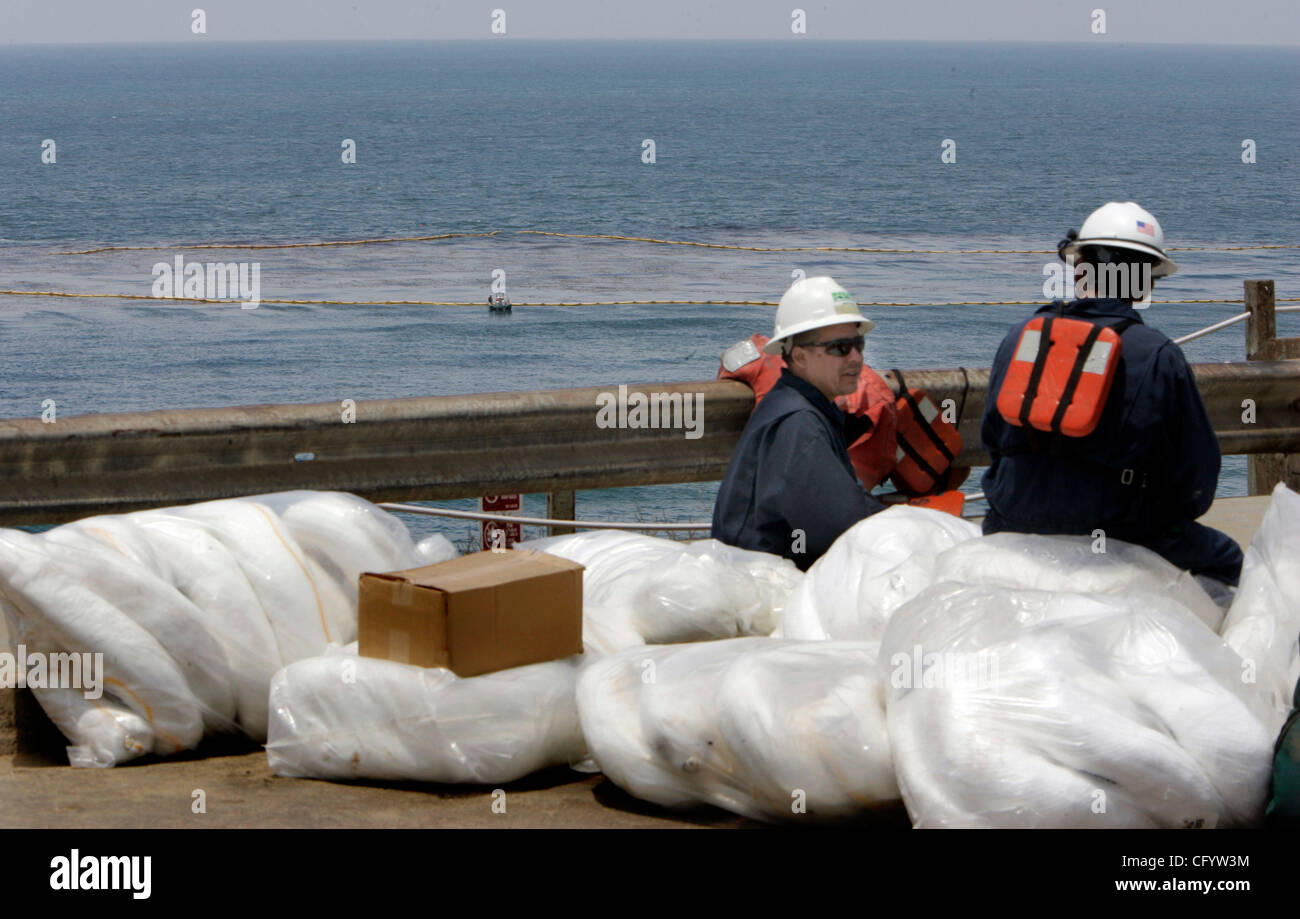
column 1098, row 307
column 814, row 395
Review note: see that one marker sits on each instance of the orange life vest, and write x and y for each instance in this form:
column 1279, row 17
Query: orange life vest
column 1060, row 375
column 927, row 445
column 872, row 452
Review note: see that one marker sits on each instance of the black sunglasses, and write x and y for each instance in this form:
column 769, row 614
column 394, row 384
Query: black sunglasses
column 840, row 347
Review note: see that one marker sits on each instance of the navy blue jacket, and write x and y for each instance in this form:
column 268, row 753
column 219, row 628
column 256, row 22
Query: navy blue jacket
column 1146, row 472
column 791, row 471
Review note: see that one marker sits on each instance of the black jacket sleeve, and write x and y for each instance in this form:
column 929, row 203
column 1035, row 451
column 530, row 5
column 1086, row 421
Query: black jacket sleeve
column 811, row 484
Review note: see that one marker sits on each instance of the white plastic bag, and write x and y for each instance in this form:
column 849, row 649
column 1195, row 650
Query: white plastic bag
column 307, row 609
column 194, row 608
column 1026, row 708
column 108, row 733
column 607, row 629
column 104, row 732
column 769, row 729
column 1074, row 564
column 1263, row 625
column 339, row 716
column 666, row 591
column 434, row 549
column 346, row 535
column 874, row 567
column 200, row 566
column 49, row 595
column 772, row 577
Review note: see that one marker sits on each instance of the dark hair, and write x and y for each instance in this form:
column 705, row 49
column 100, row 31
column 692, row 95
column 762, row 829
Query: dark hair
column 1127, row 261
column 1096, row 255
column 803, row 338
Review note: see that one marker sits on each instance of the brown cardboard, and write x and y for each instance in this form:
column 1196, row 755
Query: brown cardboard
column 474, row 614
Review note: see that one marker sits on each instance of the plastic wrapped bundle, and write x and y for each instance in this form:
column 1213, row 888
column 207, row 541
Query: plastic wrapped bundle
column 872, row 569
column 1074, row 564
column 194, row 609
column 769, row 729
column 773, row 577
column 1263, row 625
column 607, row 629
column 666, row 591
column 130, row 574
column 306, row 607
column 434, row 549
column 346, row 535
column 108, row 732
column 200, row 566
column 105, row 731
column 158, row 659
column 340, row 716
column 1025, row 708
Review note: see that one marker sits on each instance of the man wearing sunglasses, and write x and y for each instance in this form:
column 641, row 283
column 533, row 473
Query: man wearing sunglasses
column 790, row 488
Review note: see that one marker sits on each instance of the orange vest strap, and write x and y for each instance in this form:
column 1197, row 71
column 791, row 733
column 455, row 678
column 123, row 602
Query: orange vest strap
column 927, row 444
column 1036, row 375
column 926, row 428
column 1072, row 384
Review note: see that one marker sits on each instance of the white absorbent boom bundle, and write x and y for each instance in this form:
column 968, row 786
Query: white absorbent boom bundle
column 1009, row 680
column 194, row 609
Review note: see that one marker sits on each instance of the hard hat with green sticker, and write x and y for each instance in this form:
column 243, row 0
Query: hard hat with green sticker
column 813, row 303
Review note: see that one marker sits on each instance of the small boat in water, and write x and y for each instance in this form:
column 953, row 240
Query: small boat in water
column 498, row 304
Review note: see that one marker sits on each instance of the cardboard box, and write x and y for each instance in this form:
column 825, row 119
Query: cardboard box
column 474, row 614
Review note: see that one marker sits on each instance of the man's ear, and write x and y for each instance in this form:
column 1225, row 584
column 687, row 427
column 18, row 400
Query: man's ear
column 1146, row 298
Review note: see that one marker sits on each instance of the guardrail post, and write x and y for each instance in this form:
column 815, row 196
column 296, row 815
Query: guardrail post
column 25, row 731
column 560, row 505
column 1265, row 470
column 8, row 722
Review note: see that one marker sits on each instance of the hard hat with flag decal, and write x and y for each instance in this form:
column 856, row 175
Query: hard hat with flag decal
column 812, row 303
column 1122, row 225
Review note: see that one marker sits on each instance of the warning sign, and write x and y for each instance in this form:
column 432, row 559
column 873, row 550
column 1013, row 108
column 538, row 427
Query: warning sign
column 495, row 504
column 495, row 534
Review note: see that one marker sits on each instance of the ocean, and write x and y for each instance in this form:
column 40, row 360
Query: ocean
column 763, row 144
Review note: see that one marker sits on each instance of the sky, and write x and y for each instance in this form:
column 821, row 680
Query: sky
column 1139, row 21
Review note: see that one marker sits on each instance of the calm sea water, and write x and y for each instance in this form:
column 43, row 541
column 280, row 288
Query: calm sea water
column 762, row 144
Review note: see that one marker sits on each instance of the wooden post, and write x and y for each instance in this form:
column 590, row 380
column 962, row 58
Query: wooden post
column 1265, row 470
column 1261, row 327
column 26, row 732
column 8, row 722
column 560, row 505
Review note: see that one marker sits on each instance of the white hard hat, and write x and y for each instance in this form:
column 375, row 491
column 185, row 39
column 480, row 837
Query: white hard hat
column 1124, row 225
column 812, row 303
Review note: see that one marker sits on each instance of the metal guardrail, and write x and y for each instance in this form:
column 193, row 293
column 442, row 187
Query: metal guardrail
column 569, row 525
column 466, row 446
column 448, row 447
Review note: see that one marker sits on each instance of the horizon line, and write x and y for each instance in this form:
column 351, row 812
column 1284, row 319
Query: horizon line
column 1103, row 42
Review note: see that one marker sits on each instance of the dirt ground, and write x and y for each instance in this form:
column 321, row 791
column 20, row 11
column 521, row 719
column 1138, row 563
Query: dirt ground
column 236, row 789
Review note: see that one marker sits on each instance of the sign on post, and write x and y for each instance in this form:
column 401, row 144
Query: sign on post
column 494, row 534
